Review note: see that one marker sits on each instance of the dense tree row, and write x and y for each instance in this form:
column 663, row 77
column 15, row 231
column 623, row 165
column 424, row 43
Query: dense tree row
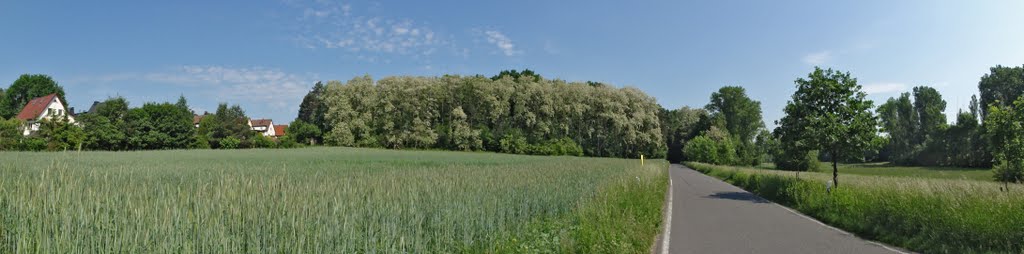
column 513, row 112
column 113, row 125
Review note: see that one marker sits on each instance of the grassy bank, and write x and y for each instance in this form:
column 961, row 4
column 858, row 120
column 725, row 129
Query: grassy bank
column 926, row 215
column 885, row 169
column 326, row 200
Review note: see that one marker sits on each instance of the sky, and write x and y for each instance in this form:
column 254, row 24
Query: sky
column 266, row 55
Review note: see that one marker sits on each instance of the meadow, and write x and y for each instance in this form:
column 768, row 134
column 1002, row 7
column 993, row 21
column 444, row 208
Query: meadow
column 886, row 169
column 928, row 215
column 326, row 200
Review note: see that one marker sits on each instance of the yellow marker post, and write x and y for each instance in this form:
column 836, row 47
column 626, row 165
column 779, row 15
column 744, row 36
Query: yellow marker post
column 641, row 160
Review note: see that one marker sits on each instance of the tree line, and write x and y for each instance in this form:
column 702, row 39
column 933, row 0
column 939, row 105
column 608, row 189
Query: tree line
column 113, row 125
column 512, row 112
column 829, row 119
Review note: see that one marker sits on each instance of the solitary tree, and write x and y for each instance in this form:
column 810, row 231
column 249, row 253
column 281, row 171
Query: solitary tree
column 1004, row 130
column 830, row 112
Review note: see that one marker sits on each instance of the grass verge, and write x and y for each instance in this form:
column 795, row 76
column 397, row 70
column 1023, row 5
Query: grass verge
column 925, row 215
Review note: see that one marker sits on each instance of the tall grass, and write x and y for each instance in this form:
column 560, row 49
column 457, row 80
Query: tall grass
column 926, row 215
column 322, row 200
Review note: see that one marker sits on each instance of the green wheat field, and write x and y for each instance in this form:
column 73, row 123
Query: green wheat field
column 326, row 200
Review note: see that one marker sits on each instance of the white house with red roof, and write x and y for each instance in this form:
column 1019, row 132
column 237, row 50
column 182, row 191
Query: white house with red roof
column 263, row 126
column 41, row 108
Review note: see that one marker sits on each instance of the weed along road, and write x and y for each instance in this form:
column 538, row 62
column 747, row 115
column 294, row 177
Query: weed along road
column 711, row 216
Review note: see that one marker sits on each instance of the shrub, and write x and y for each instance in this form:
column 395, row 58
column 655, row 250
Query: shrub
column 708, row 150
column 260, row 141
column 230, row 143
column 793, row 159
column 1009, row 171
column 515, row 143
column 701, row 149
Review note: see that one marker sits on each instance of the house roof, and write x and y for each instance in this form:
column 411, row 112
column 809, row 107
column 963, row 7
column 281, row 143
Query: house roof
column 35, row 107
column 261, row 122
column 279, row 129
column 197, row 118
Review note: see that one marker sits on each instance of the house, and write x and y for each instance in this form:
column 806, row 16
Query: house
column 279, row 130
column 263, row 126
column 196, row 119
column 41, row 108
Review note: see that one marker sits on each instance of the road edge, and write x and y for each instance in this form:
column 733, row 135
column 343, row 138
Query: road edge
column 661, row 241
column 812, row 219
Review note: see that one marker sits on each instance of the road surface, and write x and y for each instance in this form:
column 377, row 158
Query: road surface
column 711, row 216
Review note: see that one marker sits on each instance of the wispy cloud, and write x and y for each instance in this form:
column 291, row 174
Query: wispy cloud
column 817, row 58
column 884, row 88
column 502, row 42
column 251, row 85
column 330, row 25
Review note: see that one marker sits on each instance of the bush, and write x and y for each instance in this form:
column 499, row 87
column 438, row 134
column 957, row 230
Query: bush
column 230, row 143
column 287, row 141
column 707, row 150
column 32, row 144
column 1009, row 171
column 514, row 143
column 260, row 141
column 788, row 158
column 701, row 149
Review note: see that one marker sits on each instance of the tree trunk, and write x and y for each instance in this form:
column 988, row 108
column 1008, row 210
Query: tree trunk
column 835, row 171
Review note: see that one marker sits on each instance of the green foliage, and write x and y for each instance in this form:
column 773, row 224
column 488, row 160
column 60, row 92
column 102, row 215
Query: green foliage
column 1000, row 87
column 702, row 149
column 312, row 111
column 677, row 127
column 10, row 134
column 159, row 126
column 327, row 200
column 229, row 142
column 742, row 119
column 462, row 136
column 922, row 215
column 227, row 122
column 830, row 113
column 475, row 112
column 60, row 134
column 526, row 76
column 287, row 141
column 1006, row 135
column 259, row 141
column 26, row 88
column 33, row 143
column 300, row 130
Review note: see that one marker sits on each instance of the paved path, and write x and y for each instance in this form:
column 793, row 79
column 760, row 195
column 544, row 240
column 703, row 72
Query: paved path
column 711, row 216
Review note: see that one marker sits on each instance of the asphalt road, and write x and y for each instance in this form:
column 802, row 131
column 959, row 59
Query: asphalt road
column 711, row 216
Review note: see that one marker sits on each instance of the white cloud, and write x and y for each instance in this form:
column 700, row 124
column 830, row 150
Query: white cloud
column 256, row 84
column 330, row 25
column 502, row 42
column 884, row 88
column 818, row 58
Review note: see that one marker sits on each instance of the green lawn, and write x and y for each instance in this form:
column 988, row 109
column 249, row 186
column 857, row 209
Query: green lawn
column 885, row 169
column 326, row 200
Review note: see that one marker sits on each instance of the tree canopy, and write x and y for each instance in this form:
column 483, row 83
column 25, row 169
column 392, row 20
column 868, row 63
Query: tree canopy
column 1001, row 87
column 829, row 112
column 24, row 89
column 524, row 115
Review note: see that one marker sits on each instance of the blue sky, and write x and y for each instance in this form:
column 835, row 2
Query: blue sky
column 265, row 55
